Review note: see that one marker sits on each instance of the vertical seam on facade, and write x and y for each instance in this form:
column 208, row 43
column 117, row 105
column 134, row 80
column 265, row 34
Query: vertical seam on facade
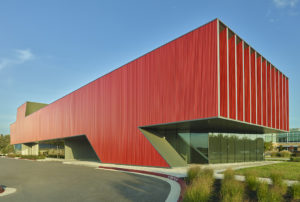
column 243, row 80
column 279, row 104
column 236, row 103
column 255, row 74
column 261, row 94
column 218, row 68
column 228, row 115
column 271, row 93
column 275, row 124
column 266, row 87
column 250, row 87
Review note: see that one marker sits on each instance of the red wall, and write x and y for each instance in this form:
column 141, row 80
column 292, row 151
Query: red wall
column 175, row 82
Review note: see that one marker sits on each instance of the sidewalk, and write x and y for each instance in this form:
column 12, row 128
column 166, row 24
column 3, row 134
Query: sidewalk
column 179, row 172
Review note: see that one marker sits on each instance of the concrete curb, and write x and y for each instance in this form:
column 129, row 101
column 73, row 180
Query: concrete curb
column 177, row 184
column 7, row 191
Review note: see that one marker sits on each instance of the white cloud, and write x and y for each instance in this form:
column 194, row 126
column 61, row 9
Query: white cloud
column 18, row 58
column 285, row 3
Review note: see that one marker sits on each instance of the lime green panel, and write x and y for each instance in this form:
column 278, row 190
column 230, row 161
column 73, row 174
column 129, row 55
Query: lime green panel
column 33, row 107
column 164, row 149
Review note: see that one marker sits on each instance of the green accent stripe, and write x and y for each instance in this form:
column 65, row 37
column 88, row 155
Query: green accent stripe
column 33, row 107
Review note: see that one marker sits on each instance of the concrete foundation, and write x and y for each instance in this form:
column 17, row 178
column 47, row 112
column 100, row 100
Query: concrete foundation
column 79, row 148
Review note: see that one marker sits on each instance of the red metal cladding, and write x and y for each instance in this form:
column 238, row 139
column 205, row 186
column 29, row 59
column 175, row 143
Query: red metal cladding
column 287, row 102
column 277, row 98
column 264, row 92
column 247, row 78
column 273, row 78
column 284, row 102
column 253, row 87
column 223, row 73
column 280, row 101
column 269, row 95
column 232, row 83
column 240, row 81
column 259, row 90
column 163, row 86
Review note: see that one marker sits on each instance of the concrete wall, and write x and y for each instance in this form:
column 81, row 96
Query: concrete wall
column 30, row 149
column 79, row 148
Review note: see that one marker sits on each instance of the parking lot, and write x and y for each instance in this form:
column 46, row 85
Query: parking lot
column 54, row 181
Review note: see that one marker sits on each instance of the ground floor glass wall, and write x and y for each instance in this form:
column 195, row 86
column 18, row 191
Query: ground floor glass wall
column 216, row 147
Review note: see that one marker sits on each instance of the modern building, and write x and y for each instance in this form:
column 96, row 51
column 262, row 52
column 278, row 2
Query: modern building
column 288, row 141
column 205, row 97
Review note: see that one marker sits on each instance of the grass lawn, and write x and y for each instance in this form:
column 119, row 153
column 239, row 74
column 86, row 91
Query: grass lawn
column 289, row 170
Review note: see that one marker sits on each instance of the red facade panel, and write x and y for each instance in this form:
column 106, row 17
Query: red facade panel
column 273, row 78
column 232, row 75
column 277, row 98
column 264, row 92
column 240, row 81
column 163, row 86
column 269, row 95
column 223, row 73
column 287, row 103
column 284, row 101
column 247, row 77
column 259, row 91
column 253, row 87
column 281, row 101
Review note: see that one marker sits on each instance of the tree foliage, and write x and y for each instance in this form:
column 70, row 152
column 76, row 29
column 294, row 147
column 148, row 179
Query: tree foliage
column 268, row 146
column 5, row 146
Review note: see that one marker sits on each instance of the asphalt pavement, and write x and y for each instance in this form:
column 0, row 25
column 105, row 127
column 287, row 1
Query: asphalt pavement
column 54, row 181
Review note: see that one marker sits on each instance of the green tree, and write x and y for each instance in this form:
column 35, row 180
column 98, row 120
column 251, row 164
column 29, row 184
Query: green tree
column 268, row 146
column 5, row 146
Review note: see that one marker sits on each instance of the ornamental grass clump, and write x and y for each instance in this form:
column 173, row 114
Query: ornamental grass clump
column 251, row 180
column 200, row 188
column 295, row 190
column 275, row 194
column 192, row 173
column 285, row 154
column 206, row 172
column 229, row 174
column 263, row 192
column 278, row 183
column 231, row 190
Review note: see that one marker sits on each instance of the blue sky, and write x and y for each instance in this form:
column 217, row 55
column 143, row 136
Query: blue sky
column 50, row 48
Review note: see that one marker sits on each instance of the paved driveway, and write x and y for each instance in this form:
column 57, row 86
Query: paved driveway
column 54, row 181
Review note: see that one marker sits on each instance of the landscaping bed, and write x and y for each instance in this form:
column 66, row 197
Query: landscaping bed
column 30, row 157
column 289, row 170
column 201, row 186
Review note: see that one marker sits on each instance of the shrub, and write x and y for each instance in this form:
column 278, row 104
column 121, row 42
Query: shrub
column 200, row 189
column 285, row 154
column 229, row 174
column 262, row 192
column 295, row 159
column 295, row 189
column 232, row 190
column 277, row 180
column 251, row 180
column 192, row 173
column 273, row 154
